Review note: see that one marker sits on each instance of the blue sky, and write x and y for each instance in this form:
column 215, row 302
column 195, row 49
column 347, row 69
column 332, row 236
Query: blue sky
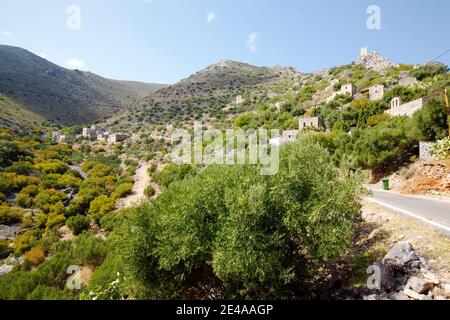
column 167, row 40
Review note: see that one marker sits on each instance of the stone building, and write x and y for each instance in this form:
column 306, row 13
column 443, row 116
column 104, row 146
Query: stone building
column 239, row 100
column 102, row 137
column 406, row 109
column 314, row 122
column 363, row 52
column 117, row 137
column 376, row 92
column 58, row 137
column 94, row 131
column 407, row 81
column 334, row 82
column 88, row 133
column 349, row 89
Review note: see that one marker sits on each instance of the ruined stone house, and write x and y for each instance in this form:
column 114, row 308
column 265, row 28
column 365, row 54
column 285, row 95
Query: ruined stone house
column 314, row 122
column 406, row 109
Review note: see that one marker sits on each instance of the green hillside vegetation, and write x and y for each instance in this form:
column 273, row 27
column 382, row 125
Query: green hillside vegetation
column 207, row 94
column 40, row 192
column 16, row 116
column 60, row 95
column 231, row 229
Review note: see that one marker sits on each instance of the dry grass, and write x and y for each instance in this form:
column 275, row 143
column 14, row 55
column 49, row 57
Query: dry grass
column 429, row 242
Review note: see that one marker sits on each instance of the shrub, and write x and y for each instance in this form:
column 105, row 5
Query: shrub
column 52, row 166
column 43, row 293
column 388, row 143
column 22, row 284
column 428, row 71
column 5, row 250
column 149, row 191
column 100, row 170
column 101, row 206
column 89, row 250
column 69, row 180
column 248, row 230
column 35, row 256
column 122, row 190
column 78, row 224
column 152, row 169
column 46, row 198
column 23, row 242
column 9, row 152
column 25, row 198
column 432, row 120
column 172, row 173
column 55, row 220
column 50, row 181
column 10, row 215
column 12, row 182
column 21, row 167
column 441, row 149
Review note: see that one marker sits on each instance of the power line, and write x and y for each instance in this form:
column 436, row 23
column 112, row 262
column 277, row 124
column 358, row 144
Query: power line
column 443, row 54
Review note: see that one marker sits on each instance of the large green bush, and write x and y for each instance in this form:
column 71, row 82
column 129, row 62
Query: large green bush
column 78, row 224
column 260, row 236
column 428, row 71
column 10, row 215
column 432, row 120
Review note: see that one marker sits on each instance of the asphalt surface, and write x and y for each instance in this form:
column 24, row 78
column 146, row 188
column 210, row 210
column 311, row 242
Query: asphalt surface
column 428, row 210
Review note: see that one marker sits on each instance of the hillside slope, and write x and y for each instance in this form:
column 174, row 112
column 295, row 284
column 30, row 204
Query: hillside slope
column 64, row 96
column 205, row 94
column 15, row 116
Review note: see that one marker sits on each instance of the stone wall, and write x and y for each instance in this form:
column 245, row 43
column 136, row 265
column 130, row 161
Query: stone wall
column 424, row 151
column 407, row 109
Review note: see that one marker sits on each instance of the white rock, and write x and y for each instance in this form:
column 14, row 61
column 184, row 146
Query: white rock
column 419, row 285
column 412, row 294
column 4, row 269
column 431, row 277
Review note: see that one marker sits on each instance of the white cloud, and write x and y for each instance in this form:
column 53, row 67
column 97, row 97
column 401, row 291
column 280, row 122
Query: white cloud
column 75, row 63
column 7, row 34
column 251, row 41
column 43, row 55
column 211, row 17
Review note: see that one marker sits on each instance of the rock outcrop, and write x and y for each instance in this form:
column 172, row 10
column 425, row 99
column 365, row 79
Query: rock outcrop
column 404, row 275
column 374, row 61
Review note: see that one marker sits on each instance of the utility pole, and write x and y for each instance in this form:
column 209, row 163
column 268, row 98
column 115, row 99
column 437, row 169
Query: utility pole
column 448, row 109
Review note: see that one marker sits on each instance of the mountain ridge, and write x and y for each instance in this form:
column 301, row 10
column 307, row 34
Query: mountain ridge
column 63, row 96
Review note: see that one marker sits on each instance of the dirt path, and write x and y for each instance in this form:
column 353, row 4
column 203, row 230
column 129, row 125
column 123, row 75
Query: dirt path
column 141, row 181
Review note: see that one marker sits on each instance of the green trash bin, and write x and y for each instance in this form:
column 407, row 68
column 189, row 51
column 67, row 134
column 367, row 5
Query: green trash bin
column 385, row 184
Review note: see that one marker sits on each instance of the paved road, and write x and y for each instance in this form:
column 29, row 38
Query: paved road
column 431, row 211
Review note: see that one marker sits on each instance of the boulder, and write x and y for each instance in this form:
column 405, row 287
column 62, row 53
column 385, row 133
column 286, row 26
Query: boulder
column 399, row 296
column 419, row 285
column 4, row 269
column 403, row 257
column 446, row 288
column 431, row 277
column 426, row 297
column 412, row 294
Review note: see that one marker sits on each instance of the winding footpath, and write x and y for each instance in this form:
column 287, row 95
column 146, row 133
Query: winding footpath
column 141, row 181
